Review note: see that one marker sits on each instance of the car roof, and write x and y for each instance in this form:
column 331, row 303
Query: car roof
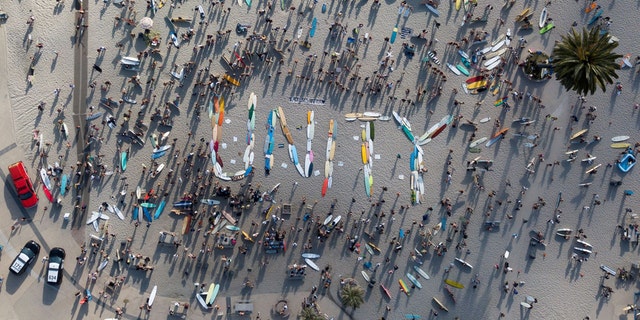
column 33, row 246
column 57, row 251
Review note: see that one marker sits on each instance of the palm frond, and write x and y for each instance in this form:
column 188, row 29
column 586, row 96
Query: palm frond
column 585, row 61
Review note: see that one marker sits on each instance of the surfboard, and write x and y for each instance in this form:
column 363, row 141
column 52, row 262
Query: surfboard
column 592, row 169
column 462, row 69
column 595, row 17
column 394, row 33
column 186, row 224
column 582, row 250
column 543, row 18
column 608, row 270
column 578, row 134
column 311, row 264
column 474, row 79
column 454, row 283
column 454, row 69
column 432, row 9
column 232, row 228
column 123, row 159
column 620, row 145
column 619, row 138
column 584, row 243
column 231, row 80
column 546, row 28
column 136, row 210
column 421, row 272
column 63, row 184
column 525, row 13
column 159, row 209
column 414, row 280
column 314, row 25
column 477, row 85
column 466, row 264
column 475, row 150
column 365, row 276
column 212, row 298
column 152, row 296
column 103, row 264
column 309, row 255
column 93, row 217
column 478, row 141
column 210, row 294
column 146, row 214
column 386, row 291
column 590, row 7
column 93, row 116
column 403, row 287
column 440, row 305
column 458, row 5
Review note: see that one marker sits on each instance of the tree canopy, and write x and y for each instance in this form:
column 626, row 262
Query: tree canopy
column 584, row 61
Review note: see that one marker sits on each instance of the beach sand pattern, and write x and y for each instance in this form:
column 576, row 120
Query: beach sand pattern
column 469, row 209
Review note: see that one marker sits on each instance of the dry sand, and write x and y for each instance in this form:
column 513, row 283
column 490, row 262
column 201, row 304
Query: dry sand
column 564, row 289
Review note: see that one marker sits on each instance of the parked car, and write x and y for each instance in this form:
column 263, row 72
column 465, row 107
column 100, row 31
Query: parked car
column 22, row 182
column 26, row 256
column 56, row 265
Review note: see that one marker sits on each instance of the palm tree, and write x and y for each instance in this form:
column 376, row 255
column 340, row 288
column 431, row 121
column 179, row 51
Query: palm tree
column 585, row 61
column 309, row 313
column 351, row 294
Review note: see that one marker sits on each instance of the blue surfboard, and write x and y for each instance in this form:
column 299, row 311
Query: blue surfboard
column 135, row 213
column 157, row 155
column 159, row 209
column 63, row 184
column 595, row 17
column 147, row 215
column 314, row 24
column 394, row 33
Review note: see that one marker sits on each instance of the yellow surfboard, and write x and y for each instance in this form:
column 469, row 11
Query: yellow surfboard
column 578, row 134
column 620, row 145
column 365, row 154
column 454, row 284
column 232, row 80
column 374, row 246
column 458, row 4
column 246, row 236
column 477, row 84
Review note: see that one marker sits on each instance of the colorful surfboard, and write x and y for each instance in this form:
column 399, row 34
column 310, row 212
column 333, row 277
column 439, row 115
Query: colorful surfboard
column 394, row 34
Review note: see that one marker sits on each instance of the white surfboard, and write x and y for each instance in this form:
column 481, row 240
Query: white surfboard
column 118, row 212
column 103, row 264
column 619, row 138
column 477, row 142
column 94, row 216
column 152, row 296
column 311, row 264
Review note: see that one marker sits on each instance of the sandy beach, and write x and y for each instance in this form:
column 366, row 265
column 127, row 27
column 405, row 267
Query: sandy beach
column 348, row 64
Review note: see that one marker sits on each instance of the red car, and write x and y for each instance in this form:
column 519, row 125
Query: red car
column 22, row 182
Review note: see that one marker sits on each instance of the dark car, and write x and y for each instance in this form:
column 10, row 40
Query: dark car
column 22, row 182
column 26, row 256
column 55, row 266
